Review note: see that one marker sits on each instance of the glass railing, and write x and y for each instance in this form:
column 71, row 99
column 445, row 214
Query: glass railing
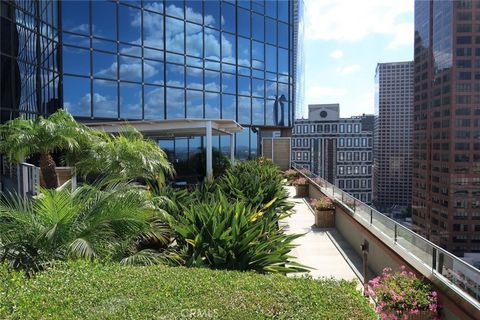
column 449, row 269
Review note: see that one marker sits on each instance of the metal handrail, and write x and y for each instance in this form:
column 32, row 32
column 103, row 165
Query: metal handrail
column 433, row 249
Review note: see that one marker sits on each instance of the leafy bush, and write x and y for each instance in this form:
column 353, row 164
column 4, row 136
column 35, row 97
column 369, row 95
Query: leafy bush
column 10, row 283
column 113, row 221
column 21, row 138
column 234, row 235
column 220, row 163
column 322, row 203
column 401, row 295
column 256, row 182
column 291, row 175
column 83, row 290
column 300, row 182
column 126, row 156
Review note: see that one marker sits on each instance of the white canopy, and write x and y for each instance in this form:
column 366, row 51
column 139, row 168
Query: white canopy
column 179, row 128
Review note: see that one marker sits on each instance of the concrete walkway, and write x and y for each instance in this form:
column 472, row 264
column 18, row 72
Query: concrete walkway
column 317, row 248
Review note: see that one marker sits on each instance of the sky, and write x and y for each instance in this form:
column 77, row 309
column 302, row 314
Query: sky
column 344, row 41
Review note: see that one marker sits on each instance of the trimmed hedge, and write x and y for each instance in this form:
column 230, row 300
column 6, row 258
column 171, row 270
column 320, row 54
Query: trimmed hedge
column 84, row 290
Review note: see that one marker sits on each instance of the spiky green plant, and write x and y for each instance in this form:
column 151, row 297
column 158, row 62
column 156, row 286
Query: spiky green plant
column 256, row 182
column 93, row 222
column 236, row 236
column 21, row 138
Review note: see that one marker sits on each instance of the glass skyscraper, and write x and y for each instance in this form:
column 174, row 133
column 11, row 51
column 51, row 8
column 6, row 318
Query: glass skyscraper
column 144, row 60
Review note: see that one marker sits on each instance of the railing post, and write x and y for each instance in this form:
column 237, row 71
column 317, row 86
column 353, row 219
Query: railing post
column 396, row 234
column 434, row 259
column 354, row 205
column 371, row 216
column 342, row 196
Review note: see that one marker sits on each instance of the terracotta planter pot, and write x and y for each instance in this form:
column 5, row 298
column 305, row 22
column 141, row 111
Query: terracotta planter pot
column 325, row 218
column 301, row 190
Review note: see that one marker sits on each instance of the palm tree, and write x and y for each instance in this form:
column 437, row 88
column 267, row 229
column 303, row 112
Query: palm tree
column 21, row 138
column 94, row 221
column 126, row 156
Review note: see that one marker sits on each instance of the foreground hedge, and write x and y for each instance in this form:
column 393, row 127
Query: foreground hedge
column 96, row 291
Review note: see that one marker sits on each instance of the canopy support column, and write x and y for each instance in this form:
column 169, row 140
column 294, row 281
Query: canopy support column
column 232, row 148
column 208, row 129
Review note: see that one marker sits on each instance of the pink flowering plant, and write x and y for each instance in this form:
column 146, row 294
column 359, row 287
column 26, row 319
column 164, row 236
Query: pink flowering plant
column 291, row 175
column 300, row 182
column 323, row 203
column 401, row 295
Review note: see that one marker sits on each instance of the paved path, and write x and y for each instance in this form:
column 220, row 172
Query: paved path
column 316, row 249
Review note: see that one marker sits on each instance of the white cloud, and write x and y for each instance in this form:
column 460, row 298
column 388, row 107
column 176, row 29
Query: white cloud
column 353, row 20
column 403, row 35
column 336, row 54
column 324, row 94
column 348, row 69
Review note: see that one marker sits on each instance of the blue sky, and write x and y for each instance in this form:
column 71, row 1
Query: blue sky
column 344, row 41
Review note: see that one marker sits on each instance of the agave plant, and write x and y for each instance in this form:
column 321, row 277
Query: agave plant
column 223, row 235
column 21, row 138
column 93, row 222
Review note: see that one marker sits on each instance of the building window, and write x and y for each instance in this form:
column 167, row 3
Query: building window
column 305, row 129
column 342, row 128
column 305, row 156
column 342, row 142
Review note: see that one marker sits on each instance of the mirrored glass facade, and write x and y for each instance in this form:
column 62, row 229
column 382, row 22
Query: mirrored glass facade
column 29, row 58
column 182, row 59
column 143, row 60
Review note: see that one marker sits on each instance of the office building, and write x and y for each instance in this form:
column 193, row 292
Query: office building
column 337, row 149
column 446, row 163
column 392, row 156
column 154, row 60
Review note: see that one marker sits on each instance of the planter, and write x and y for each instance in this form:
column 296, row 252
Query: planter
column 325, row 218
column 423, row 315
column 63, row 175
column 301, row 190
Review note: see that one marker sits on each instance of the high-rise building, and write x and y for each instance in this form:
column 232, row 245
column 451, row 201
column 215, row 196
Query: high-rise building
column 392, row 164
column 446, row 163
column 337, row 149
column 29, row 61
column 154, row 60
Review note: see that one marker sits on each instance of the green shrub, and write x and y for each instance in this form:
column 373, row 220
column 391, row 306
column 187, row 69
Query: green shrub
column 10, row 283
column 113, row 221
column 96, row 291
column 234, row 235
column 125, row 156
column 256, row 182
column 291, row 175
